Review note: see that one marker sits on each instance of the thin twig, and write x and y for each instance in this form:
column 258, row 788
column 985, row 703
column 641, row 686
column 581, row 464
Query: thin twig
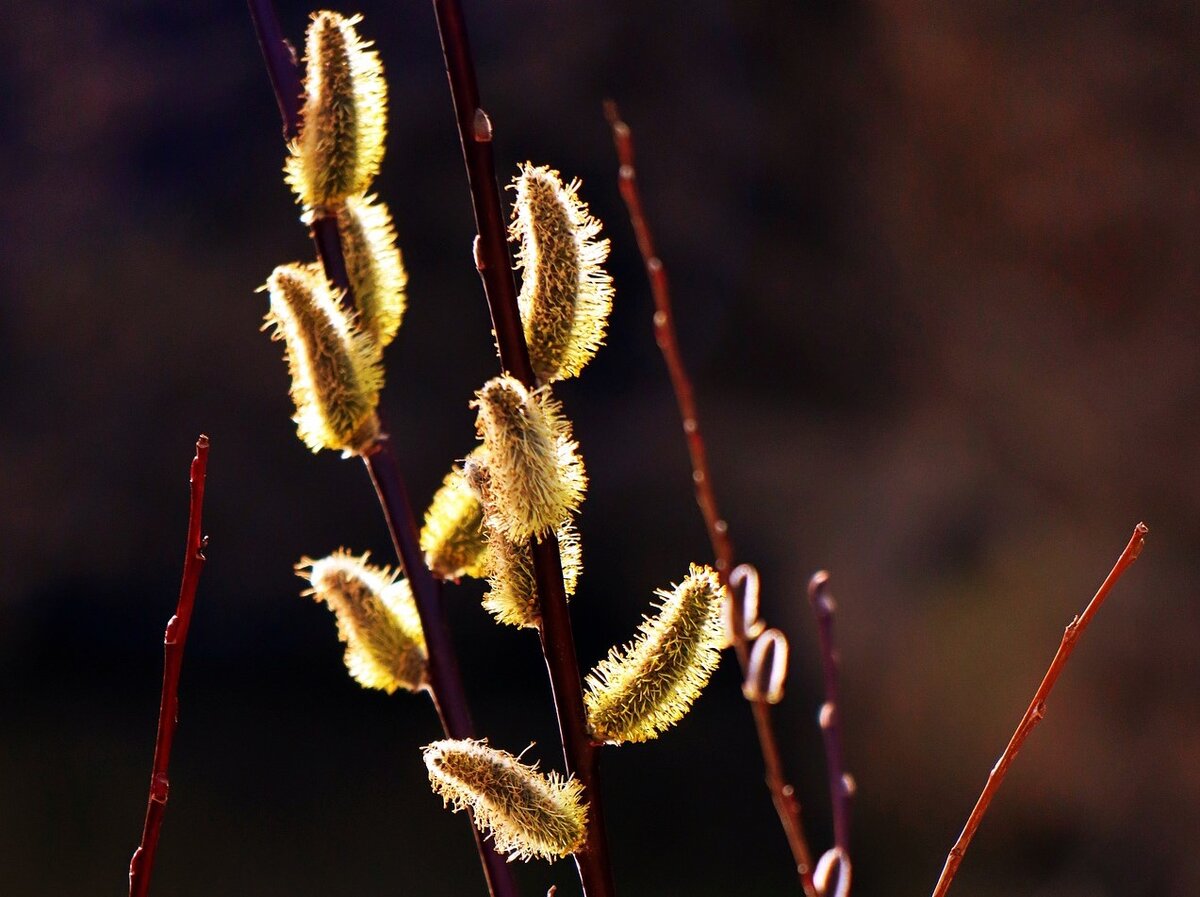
column 1037, row 708
column 141, row 866
column 841, row 785
column 494, row 264
column 783, row 794
column 445, row 678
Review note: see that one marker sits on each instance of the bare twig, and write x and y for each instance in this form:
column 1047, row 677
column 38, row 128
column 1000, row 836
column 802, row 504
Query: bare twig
column 141, row 866
column 841, row 785
column 783, row 794
column 445, row 679
column 1037, row 708
column 494, row 264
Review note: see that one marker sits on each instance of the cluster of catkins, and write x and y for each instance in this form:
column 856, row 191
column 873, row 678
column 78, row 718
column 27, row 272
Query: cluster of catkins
column 524, row 480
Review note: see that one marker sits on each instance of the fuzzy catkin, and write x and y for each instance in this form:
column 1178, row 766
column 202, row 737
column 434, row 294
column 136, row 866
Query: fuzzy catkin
column 640, row 690
column 512, row 588
column 565, row 294
column 374, row 266
column 376, row 618
column 526, row 813
column 536, row 477
column 344, row 119
column 335, row 369
column 453, row 538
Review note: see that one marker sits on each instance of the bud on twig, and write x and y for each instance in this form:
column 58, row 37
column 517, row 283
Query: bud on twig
column 536, row 477
column 374, row 266
column 646, row 687
column 832, row 875
column 344, row 118
column 336, row 375
column 376, row 618
column 565, row 294
column 528, row 814
column 767, row 670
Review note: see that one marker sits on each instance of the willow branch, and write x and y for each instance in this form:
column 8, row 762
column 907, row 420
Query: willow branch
column 445, row 678
column 841, row 785
column 1037, row 708
column 494, row 263
column 783, row 794
column 141, row 866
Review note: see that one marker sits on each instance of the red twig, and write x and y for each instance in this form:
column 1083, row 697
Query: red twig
column 1037, row 708
column 783, row 794
column 841, row 785
column 494, row 264
column 174, row 640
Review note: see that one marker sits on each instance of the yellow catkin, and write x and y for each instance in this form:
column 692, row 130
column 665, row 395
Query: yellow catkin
column 452, row 537
column 526, row 813
column 565, row 293
column 376, row 618
column 646, row 687
column 374, row 265
column 512, row 590
column 344, row 121
column 537, row 479
column 336, row 374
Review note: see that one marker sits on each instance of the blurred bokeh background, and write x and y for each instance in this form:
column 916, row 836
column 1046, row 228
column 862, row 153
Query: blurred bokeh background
column 935, row 274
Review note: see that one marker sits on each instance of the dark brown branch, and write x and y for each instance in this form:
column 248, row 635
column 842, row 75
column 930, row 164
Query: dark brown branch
column 445, row 679
column 841, row 785
column 1037, row 708
column 174, row 641
column 783, row 794
column 495, row 268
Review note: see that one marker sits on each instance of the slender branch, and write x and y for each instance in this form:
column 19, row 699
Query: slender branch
column 1037, row 708
column 841, row 785
column 141, row 866
column 494, row 263
column 783, row 794
column 446, row 687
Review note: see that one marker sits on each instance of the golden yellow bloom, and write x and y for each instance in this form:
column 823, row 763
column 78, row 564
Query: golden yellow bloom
column 374, row 265
column 452, row 537
column 512, row 589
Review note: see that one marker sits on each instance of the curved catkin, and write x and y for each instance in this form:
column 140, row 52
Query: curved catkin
column 527, row 814
column 565, row 293
column 536, row 477
column 344, row 117
column 376, row 618
column 452, row 537
column 374, row 265
column 512, row 590
column 336, row 375
column 644, row 688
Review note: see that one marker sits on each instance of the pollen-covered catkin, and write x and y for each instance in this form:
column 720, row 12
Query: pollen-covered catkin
column 344, row 120
column 644, row 688
column 336, row 374
column 512, row 588
column 453, row 538
column 376, row 618
column 565, row 293
column 536, row 477
column 374, row 265
column 527, row 814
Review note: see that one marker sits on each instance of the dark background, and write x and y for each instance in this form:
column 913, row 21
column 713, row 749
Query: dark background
column 936, row 277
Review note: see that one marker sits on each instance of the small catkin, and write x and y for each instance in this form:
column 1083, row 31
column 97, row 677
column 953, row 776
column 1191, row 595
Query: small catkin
column 512, row 589
column 336, row 372
column 526, row 813
column 644, row 688
column 374, row 265
column 376, row 618
column 536, row 477
column 344, row 122
column 565, row 295
column 452, row 537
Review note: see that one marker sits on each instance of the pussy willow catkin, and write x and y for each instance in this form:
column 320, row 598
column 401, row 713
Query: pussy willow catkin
column 646, row 687
column 452, row 537
column 527, row 814
column 376, row 618
column 374, row 266
column 512, row 590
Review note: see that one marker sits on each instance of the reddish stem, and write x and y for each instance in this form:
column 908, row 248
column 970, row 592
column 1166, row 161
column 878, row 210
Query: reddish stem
column 841, row 786
column 783, row 794
column 1037, row 708
column 141, row 866
column 494, row 264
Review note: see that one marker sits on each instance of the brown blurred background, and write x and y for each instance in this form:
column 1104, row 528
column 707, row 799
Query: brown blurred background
column 936, row 278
